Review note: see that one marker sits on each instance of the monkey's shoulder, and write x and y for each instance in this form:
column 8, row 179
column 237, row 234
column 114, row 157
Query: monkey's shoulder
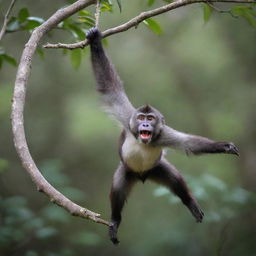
column 138, row 156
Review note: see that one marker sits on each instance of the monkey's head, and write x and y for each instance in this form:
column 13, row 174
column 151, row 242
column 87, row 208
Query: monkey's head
column 146, row 124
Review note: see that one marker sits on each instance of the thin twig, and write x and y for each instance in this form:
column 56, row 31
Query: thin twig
column 17, row 115
column 217, row 9
column 6, row 19
column 97, row 14
column 134, row 22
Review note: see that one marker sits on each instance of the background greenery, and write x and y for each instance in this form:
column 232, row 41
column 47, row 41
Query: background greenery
column 201, row 76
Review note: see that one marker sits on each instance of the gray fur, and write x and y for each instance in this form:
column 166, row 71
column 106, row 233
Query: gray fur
column 143, row 141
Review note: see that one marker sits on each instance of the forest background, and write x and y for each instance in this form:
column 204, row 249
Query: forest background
column 200, row 74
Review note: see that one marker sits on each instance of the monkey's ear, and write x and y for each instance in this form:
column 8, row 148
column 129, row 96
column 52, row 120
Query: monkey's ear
column 93, row 34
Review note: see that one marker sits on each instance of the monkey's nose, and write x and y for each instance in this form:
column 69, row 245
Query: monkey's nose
column 145, row 125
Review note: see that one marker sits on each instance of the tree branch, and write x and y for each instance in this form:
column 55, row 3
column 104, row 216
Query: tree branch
column 18, row 119
column 134, row 22
column 6, row 19
column 97, row 14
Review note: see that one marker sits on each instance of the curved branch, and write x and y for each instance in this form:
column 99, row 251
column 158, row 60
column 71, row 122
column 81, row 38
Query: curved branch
column 134, row 22
column 18, row 120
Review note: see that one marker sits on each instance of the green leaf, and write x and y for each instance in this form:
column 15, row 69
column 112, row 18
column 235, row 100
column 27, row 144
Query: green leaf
column 153, row 25
column 1, row 61
column 85, row 13
column 33, row 22
column 87, row 18
column 239, row 10
column 250, row 19
column 76, row 58
column 119, row 5
column 89, row 21
column 207, row 12
column 74, row 28
column 77, row 32
column 37, row 19
column 106, row 7
column 23, row 15
column 9, row 59
column 13, row 25
column 247, row 12
column 150, row 2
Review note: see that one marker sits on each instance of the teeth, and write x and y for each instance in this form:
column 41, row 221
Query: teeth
column 145, row 134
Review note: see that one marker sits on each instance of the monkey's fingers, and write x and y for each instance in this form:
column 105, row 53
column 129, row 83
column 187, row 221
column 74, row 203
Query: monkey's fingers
column 92, row 34
column 233, row 149
column 229, row 148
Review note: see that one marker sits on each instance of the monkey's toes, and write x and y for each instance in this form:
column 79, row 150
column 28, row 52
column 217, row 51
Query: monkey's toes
column 196, row 211
column 93, row 33
column 113, row 234
column 115, row 240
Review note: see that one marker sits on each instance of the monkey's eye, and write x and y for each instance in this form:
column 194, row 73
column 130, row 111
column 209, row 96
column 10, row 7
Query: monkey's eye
column 150, row 118
column 141, row 117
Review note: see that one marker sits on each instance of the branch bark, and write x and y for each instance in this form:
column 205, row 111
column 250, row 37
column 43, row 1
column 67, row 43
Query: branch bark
column 6, row 19
column 134, row 22
column 18, row 119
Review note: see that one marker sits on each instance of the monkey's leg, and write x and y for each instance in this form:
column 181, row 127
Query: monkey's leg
column 167, row 175
column 121, row 186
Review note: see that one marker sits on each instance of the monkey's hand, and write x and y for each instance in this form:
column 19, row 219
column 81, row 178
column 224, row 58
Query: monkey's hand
column 113, row 233
column 228, row 148
column 93, row 35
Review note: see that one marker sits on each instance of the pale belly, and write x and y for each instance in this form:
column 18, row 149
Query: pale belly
column 138, row 156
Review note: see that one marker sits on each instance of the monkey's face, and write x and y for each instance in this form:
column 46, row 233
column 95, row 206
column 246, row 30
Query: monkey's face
column 146, row 124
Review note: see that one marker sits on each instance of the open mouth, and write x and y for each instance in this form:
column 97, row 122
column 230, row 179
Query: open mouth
column 145, row 135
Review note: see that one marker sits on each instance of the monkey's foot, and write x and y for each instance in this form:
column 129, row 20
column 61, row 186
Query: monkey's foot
column 113, row 234
column 196, row 211
column 228, row 148
column 93, row 34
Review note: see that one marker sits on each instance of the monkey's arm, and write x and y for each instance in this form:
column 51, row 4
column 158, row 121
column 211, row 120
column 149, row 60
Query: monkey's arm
column 109, row 84
column 193, row 144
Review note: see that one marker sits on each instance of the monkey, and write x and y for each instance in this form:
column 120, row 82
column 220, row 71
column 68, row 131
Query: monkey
column 143, row 140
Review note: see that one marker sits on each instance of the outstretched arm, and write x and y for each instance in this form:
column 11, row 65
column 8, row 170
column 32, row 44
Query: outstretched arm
column 193, row 144
column 108, row 82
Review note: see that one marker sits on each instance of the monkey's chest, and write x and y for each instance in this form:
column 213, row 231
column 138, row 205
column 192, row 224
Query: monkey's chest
column 139, row 157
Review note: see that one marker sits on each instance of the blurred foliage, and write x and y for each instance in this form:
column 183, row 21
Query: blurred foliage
column 200, row 72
